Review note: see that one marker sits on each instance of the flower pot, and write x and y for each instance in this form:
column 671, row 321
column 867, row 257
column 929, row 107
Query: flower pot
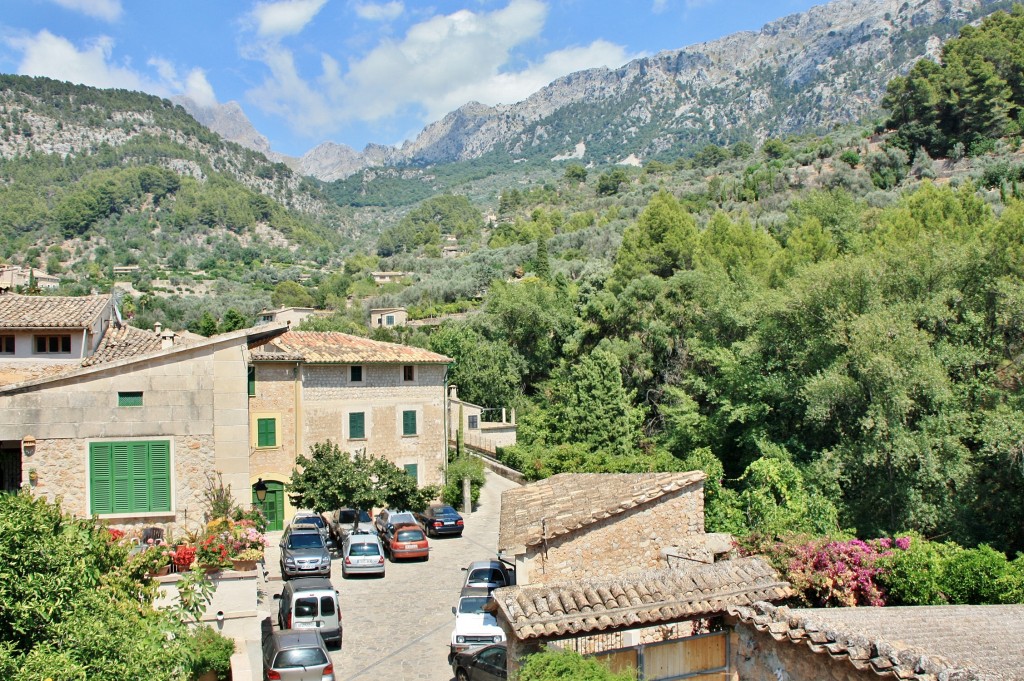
column 210, row 568
column 243, row 565
column 165, row 570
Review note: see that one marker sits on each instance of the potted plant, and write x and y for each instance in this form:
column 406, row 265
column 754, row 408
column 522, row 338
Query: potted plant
column 212, row 553
column 246, row 559
column 183, row 556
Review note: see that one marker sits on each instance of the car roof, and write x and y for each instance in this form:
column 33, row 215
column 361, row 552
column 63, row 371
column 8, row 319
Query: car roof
column 476, row 564
column 311, row 584
column 297, row 638
column 304, row 527
column 474, row 591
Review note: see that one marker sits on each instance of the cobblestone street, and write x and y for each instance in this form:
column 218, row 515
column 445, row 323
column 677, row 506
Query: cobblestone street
column 398, row 628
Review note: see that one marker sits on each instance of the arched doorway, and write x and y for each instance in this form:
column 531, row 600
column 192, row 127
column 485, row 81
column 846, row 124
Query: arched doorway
column 273, row 505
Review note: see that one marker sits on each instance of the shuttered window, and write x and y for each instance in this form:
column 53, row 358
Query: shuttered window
column 129, row 399
column 252, row 381
column 129, row 477
column 408, row 423
column 357, row 425
column 266, row 432
column 413, row 471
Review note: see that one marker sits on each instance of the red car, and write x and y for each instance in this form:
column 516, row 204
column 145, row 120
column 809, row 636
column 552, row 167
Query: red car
column 406, row 541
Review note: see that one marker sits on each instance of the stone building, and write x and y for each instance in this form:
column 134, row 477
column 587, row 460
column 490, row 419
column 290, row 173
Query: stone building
column 308, row 387
column 14, row 276
column 131, row 433
column 583, row 525
column 478, row 432
column 293, row 316
column 51, row 330
column 388, row 317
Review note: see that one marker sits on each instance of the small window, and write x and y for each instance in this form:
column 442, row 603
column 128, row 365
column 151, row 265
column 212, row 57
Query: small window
column 413, row 471
column 408, row 372
column 409, row 422
column 53, row 345
column 252, row 381
column 474, row 422
column 357, row 425
column 355, row 374
column 7, row 345
column 305, row 607
column 326, row 606
column 390, row 320
column 266, row 432
column 133, row 399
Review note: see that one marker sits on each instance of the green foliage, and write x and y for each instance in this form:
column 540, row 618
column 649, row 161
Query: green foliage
column 574, row 172
column 212, row 653
column 610, row 182
column 914, row 576
column 975, row 576
column 487, row 372
column 424, row 225
column 660, row 242
column 291, row 294
column 462, row 467
column 552, row 664
column 850, row 158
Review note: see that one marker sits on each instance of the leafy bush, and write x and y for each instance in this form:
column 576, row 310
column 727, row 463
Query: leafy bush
column 850, row 158
column 211, row 653
column 462, row 467
column 972, row 576
column 567, row 665
column 912, row 576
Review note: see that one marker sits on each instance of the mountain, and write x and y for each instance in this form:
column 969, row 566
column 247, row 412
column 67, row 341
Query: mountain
column 804, row 72
column 227, row 120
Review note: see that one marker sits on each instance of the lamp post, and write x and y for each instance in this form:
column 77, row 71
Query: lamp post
column 261, row 491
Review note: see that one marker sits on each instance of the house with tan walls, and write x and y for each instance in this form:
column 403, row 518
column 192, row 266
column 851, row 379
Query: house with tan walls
column 307, row 387
column 477, row 431
column 131, row 433
column 50, row 330
column 592, row 525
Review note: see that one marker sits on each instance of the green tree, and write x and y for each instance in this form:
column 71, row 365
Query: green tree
column 291, row 294
column 206, row 325
column 574, row 172
column 552, row 664
column 610, row 182
column 233, row 320
column 660, row 242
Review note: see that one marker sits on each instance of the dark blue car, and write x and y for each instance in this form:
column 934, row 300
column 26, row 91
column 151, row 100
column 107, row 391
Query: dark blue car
column 440, row 521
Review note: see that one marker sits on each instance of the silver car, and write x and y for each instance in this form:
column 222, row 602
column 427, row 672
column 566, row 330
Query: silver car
column 362, row 554
column 304, row 553
column 296, row 655
column 308, row 517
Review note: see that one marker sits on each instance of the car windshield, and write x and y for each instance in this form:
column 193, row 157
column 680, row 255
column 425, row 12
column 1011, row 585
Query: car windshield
column 363, row 550
column 443, row 510
column 349, row 517
column 306, row 541
column 311, row 520
column 487, row 576
column 409, row 535
column 473, row 604
column 299, row 657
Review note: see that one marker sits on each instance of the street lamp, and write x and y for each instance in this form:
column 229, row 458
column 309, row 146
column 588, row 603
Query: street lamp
column 261, row 491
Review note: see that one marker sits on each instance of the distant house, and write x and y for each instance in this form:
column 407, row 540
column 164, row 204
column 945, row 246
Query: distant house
column 122, row 270
column 389, row 277
column 385, row 317
column 13, row 276
column 48, row 330
column 308, row 387
column 477, row 432
column 293, row 316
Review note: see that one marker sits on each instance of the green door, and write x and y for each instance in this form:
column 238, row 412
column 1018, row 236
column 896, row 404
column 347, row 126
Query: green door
column 273, row 505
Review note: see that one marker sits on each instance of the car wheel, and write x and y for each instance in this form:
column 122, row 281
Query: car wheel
column 461, row 675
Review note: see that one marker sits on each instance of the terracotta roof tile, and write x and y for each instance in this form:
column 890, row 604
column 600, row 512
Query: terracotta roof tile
column 62, row 312
column 660, row 596
column 570, row 501
column 125, row 342
column 331, row 347
column 965, row 642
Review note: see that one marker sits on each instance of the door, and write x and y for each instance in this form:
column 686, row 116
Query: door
column 273, row 505
column 10, row 466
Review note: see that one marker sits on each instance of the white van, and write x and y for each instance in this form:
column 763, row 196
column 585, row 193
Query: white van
column 311, row 603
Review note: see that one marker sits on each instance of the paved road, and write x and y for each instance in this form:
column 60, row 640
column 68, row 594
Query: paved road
column 398, row 628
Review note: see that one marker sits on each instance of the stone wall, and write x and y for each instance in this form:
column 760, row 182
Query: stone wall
column 759, row 657
column 622, row 543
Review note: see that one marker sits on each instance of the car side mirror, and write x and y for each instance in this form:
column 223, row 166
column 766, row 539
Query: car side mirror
column 465, row 569
column 454, row 611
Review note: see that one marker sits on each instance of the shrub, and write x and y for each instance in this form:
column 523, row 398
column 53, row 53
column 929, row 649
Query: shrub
column 972, row 576
column 850, row 158
column 211, row 653
column 912, row 577
column 462, row 467
column 567, row 665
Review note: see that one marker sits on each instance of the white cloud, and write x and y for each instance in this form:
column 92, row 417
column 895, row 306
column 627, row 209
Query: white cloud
column 659, row 6
column 46, row 54
column 438, row 65
column 108, row 10
column 288, row 17
column 385, row 11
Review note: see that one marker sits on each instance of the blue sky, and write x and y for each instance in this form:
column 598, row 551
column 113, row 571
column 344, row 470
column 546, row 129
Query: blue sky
column 352, row 71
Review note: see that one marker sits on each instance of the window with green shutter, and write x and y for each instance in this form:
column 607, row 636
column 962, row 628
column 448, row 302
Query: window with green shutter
column 266, row 432
column 413, row 471
column 409, row 422
column 252, row 381
column 129, row 477
column 356, row 425
column 129, row 399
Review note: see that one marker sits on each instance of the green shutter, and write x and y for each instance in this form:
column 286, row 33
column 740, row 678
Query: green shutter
column 413, row 471
column 139, row 456
column 122, row 477
column 266, row 432
column 129, row 399
column 160, row 476
column 408, row 423
column 357, row 425
column 252, row 381
column 101, row 480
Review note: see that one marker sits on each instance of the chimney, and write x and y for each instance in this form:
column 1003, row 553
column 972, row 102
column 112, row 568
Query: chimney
column 157, row 328
column 166, row 339
column 453, row 392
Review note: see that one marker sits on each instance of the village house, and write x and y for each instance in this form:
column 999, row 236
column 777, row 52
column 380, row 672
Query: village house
column 38, row 333
column 292, row 316
column 389, row 277
column 14, row 276
column 381, row 398
column 476, row 432
column 388, row 317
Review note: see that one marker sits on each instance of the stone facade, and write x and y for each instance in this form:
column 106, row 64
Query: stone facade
column 756, row 656
column 621, row 543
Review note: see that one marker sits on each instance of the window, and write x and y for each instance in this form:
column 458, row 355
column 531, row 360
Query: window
column 390, row 320
column 53, row 345
column 474, row 421
column 7, row 345
column 413, row 471
column 266, row 432
column 355, row 374
column 252, row 381
column 357, row 425
column 409, row 422
column 129, row 477
column 132, row 399
column 408, row 373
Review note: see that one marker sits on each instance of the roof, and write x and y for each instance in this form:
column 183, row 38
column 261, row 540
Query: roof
column 59, row 312
column 569, row 501
column 332, row 347
column 124, row 342
column 966, row 642
column 582, row 606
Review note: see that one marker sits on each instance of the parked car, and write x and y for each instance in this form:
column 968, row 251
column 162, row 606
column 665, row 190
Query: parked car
column 344, row 520
column 296, row 655
column 441, row 520
column 488, row 574
column 405, row 541
column 310, row 518
column 474, row 626
column 482, row 664
column 304, row 553
column 311, row 603
column 389, row 517
column 362, row 554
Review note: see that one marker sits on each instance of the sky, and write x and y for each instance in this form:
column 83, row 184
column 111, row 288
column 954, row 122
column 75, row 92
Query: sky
column 352, row 71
